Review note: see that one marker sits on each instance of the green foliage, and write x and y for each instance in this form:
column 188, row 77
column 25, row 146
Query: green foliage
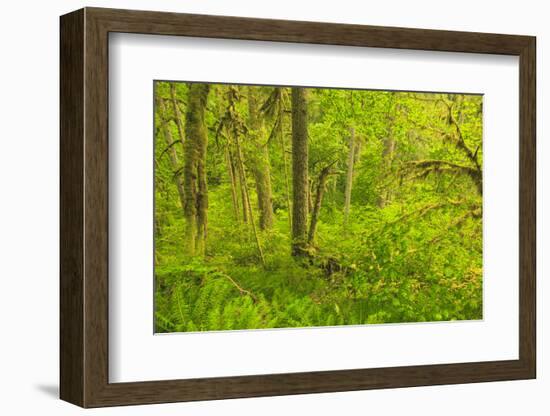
column 411, row 251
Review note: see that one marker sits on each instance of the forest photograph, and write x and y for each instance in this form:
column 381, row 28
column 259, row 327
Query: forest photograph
column 293, row 207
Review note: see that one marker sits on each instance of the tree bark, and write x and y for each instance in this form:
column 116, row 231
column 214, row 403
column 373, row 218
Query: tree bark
column 283, row 152
column 299, row 172
column 243, row 186
column 174, row 162
column 248, row 206
column 233, row 182
column 310, row 196
column 177, row 112
column 196, row 191
column 349, row 176
column 202, row 197
column 321, row 185
column 259, row 161
column 387, row 156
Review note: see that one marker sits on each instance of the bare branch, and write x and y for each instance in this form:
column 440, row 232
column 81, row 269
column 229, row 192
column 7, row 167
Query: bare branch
column 239, row 287
column 461, row 143
column 167, row 148
column 443, row 166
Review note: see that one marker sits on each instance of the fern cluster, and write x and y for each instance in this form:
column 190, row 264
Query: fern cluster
column 397, row 278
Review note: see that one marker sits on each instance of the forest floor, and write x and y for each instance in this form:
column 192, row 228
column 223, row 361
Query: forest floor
column 354, row 280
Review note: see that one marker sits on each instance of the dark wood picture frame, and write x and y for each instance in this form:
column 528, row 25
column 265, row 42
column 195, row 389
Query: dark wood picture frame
column 84, row 207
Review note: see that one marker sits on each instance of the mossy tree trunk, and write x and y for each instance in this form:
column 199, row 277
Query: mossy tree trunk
column 388, row 153
column 349, row 177
column 196, row 191
column 233, row 182
column 321, row 186
column 258, row 158
column 299, row 172
column 171, row 150
column 177, row 113
column 248, row 205
column 283, row 153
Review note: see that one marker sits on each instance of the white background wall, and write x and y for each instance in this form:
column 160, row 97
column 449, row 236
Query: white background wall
column 29, row 208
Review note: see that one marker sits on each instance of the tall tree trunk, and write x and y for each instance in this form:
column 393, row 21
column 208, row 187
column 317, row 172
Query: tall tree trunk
column 248, row 206
column 243, row 186
column 387, row 160
column 349, row 176
column 177, row 112
column 259, row 161
column 310, row 196
column 283, row 152
column 202, row 197
column 299, row 172
column 321, row 185
column 232, row 181
column 196, row 192
column 174, row 162
column 235, row 153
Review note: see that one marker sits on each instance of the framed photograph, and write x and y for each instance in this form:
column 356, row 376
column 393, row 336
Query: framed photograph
column 257, row 207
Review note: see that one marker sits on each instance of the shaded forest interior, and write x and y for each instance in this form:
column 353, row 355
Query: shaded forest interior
column 292, row 207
